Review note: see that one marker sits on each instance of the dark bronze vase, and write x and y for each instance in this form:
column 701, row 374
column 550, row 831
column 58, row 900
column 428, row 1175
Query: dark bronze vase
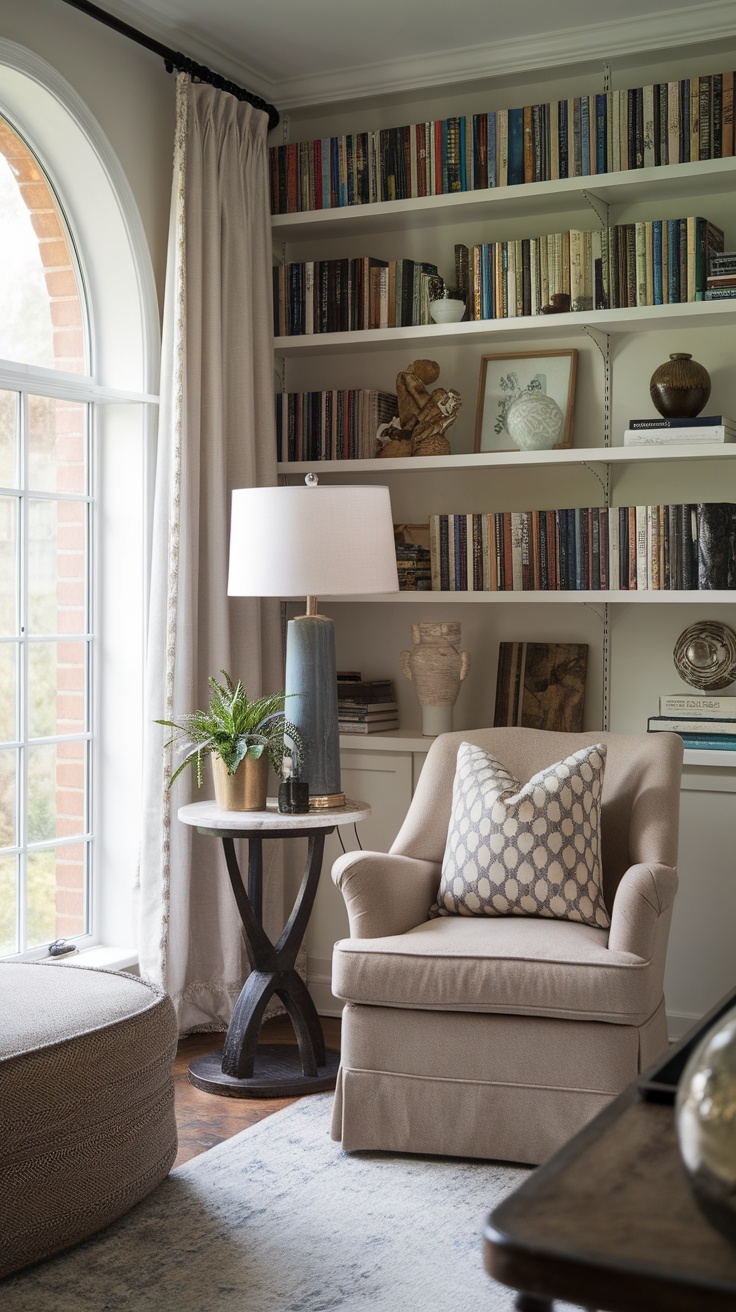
column 680, row 388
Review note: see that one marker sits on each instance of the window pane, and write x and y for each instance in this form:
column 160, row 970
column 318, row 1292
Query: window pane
column 56, row 445
column 56, row 792
column 42, row 320
column 8, row 690
column 56, row 900
column 8, row 566
column 8, row 796
column 56, row 567
column 8, row 904
column 56, row 690
column 8, row 439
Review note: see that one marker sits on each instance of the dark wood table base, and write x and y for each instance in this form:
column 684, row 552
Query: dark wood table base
column 277, row 1073
column 243, row 1068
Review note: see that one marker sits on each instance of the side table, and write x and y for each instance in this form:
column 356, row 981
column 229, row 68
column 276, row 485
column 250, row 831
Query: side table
column 243, row 1068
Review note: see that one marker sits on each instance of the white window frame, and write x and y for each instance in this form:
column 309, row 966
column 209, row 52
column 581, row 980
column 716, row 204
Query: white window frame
column 116, row 272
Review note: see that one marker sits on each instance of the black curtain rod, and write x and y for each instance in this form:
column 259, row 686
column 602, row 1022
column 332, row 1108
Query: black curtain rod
column 174, row 60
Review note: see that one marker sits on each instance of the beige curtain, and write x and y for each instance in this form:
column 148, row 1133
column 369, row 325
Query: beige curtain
column 216, row 433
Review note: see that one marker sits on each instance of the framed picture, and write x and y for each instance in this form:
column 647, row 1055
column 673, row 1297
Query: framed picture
column 541, row 685
column 505, row 379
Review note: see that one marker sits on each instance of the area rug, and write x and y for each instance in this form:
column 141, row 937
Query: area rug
column 280, row 1219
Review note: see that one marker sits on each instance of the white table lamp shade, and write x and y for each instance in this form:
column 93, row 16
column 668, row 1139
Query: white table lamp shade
column 311, row 541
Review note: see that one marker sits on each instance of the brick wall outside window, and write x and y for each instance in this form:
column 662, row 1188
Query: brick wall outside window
column 57, row 447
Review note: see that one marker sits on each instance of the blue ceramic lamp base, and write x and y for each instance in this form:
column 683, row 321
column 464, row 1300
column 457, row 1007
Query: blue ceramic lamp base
column 311, row 672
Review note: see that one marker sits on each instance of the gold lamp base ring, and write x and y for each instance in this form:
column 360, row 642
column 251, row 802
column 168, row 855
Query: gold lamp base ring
column 322, row 801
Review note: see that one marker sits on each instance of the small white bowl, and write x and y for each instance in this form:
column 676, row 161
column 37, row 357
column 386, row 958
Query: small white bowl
column 444, row 310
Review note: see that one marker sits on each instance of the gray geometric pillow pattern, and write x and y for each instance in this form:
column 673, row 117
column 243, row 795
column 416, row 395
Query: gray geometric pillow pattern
column 525, row 850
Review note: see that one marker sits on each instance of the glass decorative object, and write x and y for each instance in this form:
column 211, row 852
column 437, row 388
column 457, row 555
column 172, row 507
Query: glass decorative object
column 705, row 1113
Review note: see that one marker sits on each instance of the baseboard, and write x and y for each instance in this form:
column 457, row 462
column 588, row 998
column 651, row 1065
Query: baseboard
column 319, row 982
column 679, row 1022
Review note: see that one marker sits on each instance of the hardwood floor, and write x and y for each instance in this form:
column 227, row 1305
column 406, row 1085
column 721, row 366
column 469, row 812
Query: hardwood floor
column 204, row 1119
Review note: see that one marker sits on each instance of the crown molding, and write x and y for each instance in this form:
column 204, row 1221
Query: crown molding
column 702, row 23
column 163, row 26
column 712, row 21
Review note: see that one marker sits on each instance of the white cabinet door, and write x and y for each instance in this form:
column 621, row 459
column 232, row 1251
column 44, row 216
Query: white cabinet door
column 701, row 958
column 384, row 780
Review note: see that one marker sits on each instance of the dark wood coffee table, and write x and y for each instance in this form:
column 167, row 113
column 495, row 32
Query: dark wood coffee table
column 610, row 1222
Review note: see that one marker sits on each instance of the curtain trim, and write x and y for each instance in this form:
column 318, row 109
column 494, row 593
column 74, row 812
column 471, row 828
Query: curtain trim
column 172, row 581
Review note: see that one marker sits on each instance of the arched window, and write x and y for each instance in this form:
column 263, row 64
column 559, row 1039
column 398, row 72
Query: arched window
column 78, row 339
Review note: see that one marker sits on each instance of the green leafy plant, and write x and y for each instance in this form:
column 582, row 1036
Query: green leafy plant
column 234, row 728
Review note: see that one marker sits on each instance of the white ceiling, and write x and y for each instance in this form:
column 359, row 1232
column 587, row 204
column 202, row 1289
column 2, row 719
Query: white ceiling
column 300, row 52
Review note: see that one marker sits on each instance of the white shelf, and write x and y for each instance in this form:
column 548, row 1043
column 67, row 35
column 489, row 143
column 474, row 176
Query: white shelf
column 553, row 598
column 706, row 177
column 643, row 318
column 397, row 740
column 615, row 455
column 408, row 740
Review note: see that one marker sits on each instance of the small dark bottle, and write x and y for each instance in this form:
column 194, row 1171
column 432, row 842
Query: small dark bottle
column 293, row 794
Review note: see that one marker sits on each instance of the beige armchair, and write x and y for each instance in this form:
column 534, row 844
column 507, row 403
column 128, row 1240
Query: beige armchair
column 501, row 1036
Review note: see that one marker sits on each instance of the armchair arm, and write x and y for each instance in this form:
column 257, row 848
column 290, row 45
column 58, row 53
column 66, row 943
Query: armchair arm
column 385, row 894
column 643, row 897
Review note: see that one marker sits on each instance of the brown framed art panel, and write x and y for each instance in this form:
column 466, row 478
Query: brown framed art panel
column 506, row 378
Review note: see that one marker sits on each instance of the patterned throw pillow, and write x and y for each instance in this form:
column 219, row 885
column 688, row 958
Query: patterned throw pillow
column 525, row 850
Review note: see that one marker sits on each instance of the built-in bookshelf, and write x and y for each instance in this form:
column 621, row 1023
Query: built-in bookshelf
column 406, row 225
column 630, row 635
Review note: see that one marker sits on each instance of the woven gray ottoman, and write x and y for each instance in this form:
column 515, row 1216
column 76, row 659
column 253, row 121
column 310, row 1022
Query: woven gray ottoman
column 87, row 1123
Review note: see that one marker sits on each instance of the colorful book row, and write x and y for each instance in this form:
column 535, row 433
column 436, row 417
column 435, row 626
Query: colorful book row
column 338, row 425
column 624, row 548
column 657, row 262
column 641, row 127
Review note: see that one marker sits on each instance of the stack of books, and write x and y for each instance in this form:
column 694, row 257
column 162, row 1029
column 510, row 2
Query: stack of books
column 337, row 425
column 702, row 720
column 721, row 282
column 639, row 127
column 673, row 432
column 365, row 706
column 677, row 547
column 414, row 565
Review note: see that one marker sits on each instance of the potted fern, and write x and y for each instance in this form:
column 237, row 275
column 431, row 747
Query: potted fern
column 241, row 737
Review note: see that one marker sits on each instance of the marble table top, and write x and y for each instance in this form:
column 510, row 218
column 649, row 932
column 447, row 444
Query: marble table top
column 207, row 815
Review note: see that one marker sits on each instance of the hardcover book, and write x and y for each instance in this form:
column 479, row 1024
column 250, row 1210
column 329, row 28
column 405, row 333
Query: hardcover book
column 724, row 742
column 541, row 685
column 716, row 534
column 690, row 724
column 704, row 705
